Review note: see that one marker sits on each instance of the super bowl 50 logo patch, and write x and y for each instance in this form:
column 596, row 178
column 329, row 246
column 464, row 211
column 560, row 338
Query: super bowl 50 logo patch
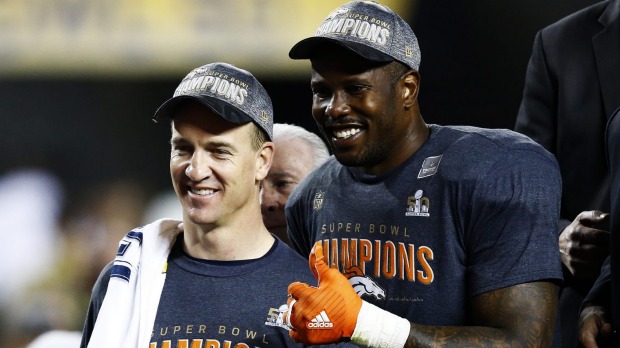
column 318, row 200
column 418, row 205
column 275, row 317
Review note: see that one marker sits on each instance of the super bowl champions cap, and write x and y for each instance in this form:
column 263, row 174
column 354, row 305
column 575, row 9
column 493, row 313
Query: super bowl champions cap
column 367, row 28
column 233, row 93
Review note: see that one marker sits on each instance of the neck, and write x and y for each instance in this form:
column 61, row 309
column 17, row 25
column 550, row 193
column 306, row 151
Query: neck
column 247, row 239
column 403, row 150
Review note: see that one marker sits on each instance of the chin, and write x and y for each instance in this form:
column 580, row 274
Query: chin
column 348, row 161
column 199, row 218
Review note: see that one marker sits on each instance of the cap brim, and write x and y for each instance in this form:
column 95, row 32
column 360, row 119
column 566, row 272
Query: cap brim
column 307, row 48
column 225, row 110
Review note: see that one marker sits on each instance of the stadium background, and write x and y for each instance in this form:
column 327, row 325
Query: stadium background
column 79, row 80
column 81, row 162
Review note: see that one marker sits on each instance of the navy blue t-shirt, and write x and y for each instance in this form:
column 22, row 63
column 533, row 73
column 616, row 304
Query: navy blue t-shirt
column 219, row 303
column 474, row 210
column 227, row 303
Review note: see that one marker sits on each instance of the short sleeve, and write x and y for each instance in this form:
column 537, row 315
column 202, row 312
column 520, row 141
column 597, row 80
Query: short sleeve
column 511, row 236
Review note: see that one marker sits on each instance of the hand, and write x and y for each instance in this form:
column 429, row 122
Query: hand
column 324, row 314
column 584, row 244
column 593, row 326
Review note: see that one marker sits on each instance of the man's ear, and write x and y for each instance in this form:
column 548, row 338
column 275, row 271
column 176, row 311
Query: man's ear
column 264, row 158
column 411, row 87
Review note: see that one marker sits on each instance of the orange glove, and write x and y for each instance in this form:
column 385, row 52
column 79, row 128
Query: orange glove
column 324, row 314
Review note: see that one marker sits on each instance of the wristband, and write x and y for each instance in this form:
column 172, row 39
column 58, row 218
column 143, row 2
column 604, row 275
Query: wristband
column 379, row 328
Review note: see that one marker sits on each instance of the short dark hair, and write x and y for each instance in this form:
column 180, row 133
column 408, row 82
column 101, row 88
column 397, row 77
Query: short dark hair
column 259, row 136
column 396, row 70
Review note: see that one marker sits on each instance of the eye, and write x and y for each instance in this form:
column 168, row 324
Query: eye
column 181, row 149
column 321, row 92
column 356, row 90
column 285, row 184
column 221, row 153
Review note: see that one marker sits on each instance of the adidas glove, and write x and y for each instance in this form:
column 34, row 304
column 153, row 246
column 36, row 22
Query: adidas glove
column 323, row 314
column 333, row 312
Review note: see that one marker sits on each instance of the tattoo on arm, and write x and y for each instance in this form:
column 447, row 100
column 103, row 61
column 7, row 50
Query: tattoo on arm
column 518, row 316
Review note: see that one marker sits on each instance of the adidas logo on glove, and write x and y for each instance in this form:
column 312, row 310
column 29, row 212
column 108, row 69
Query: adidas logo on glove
column 321, row 321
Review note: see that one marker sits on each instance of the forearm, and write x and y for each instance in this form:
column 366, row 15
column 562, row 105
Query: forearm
column 518, row 316
column 521, row 315
column 377, row 328
column 383, row 333
column 462, row 336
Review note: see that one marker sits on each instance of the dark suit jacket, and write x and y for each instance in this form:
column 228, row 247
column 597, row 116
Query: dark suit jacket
column 606, row 290
column 613, row 149
column 572, row 87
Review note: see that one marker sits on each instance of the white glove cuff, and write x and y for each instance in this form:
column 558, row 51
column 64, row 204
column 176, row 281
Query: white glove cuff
column 378, row 328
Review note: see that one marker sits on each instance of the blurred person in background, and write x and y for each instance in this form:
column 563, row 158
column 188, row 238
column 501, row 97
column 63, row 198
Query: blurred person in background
column 600, row 314
column 31, row 204
column 297, row 152
column 572, row 86
column 88, row 232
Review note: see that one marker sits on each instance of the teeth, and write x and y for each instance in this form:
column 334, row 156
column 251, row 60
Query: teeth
column 202, row 192
column 343, row 134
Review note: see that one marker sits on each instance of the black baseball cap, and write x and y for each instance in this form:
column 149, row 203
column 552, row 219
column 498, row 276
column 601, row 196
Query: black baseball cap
column 367, row 28
column 233, row 93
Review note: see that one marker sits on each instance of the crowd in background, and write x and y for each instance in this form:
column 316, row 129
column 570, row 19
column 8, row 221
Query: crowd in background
column 55, row 248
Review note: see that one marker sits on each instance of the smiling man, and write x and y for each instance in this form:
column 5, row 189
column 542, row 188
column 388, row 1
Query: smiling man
column 454, row 226
column 219, row 278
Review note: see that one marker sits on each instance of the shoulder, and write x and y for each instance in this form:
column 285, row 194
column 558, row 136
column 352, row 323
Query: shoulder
column 289, row 263
column 494, row 142
column 99, row 291
column 576, row 24
column 287, row 254
column 326, row 172
column 472, row 153
column 101, row 285
column 330, row 167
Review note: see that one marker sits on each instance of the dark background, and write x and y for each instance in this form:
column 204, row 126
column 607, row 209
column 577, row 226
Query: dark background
column 92, row 131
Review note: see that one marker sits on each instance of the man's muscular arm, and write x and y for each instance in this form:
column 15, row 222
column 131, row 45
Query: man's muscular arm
column 518, row 316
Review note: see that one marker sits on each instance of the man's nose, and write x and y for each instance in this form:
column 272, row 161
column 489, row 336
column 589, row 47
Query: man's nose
column 270, row 198
column 338, row 105
column 198, row 168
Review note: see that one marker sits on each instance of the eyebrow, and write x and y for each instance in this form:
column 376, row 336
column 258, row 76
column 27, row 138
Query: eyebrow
column 285, row 175
column 354, row 79
column 222, row 144
column 281, row 174
column 212, row 144
column 177, row 140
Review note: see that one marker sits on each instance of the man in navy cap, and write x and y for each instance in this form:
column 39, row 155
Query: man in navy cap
column 217, row 279
column 419, row 235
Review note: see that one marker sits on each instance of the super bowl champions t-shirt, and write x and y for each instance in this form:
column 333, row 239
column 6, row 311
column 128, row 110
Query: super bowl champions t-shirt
column 227, row 304
column 220, row 304
column 473, row 210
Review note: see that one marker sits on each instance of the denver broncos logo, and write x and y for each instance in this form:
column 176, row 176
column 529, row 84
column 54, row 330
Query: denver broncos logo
column 363, row 284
